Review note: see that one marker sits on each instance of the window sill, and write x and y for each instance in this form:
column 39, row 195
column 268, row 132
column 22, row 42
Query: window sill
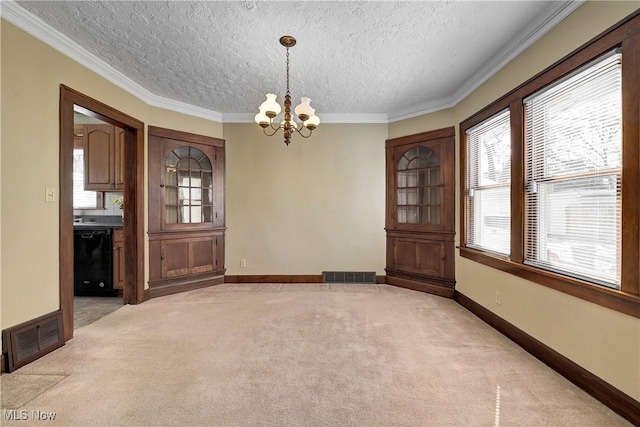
column 610, row 298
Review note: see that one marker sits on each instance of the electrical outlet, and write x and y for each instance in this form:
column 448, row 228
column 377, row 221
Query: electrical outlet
column 49, row 195
column 498, row 297
column 243, row 262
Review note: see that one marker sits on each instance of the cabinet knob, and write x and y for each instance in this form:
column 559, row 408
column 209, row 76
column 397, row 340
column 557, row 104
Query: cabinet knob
column 161, row 257
column 161, row 185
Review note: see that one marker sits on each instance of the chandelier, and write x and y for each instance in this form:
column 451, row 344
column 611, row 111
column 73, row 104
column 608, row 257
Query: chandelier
column 270, row 108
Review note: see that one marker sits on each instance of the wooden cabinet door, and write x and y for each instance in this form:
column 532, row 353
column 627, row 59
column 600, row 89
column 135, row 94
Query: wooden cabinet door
column 119, row 159
column 118, row 259
column 99, row 158
column 181, row 257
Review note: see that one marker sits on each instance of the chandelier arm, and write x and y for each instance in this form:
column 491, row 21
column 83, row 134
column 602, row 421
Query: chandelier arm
column 302, row 134
column 275, row 130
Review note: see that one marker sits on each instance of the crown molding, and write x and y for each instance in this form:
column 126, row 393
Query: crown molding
column 39, row 29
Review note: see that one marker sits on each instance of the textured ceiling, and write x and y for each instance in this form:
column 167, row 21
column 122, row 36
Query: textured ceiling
column 352, row 57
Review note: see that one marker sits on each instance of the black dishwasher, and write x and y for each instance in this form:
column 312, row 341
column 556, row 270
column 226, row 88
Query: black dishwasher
column 93, row 262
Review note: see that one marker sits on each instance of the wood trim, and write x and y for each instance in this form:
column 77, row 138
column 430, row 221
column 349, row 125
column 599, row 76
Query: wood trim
column 181, row 286
column 449, row 132
column 609, row 298
column 615, row 399
column 438, row 287
column 185, row 136
column 309, row 278
column 315, row 278
column 133, row 193
column 630, row 274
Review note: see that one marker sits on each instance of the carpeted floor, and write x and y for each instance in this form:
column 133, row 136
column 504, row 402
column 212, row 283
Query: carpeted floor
column 295, row 355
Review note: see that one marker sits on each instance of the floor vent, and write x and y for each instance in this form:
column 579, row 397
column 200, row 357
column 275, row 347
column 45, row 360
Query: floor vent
column 30, row 340
column 349, row 277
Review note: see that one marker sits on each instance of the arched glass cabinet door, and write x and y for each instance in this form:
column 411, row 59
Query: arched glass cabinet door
column 418, row 187
column 188, row 187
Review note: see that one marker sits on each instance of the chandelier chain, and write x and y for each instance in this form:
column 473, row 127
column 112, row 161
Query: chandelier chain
column 288, row 71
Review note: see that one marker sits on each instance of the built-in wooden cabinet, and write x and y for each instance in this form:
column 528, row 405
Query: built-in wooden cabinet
column 186, row 211
column 118, row 258
column 421, row 211
column 104, row 156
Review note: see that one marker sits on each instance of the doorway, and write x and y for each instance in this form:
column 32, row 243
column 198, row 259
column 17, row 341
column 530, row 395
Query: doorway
column 132, row 191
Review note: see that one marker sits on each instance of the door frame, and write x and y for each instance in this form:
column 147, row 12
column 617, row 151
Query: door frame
column 133, row 290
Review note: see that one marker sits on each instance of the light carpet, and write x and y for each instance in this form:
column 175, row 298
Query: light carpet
column 297, row 355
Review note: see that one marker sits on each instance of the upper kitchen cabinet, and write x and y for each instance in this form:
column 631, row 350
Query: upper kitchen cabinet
column 104, row 157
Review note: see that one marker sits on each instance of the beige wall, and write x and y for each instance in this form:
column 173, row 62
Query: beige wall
column 315, row 205
column 31, row 74
column 603, row 341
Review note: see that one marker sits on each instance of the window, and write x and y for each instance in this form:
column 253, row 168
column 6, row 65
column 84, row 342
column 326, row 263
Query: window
column 418, row 188
column 573, row 143
column 82, row 199
column 488, row 184
column 571, row 203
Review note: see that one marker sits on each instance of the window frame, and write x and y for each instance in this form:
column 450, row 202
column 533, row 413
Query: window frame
column 626, row 36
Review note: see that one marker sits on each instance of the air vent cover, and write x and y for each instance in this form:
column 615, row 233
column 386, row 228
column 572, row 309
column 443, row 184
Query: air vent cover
column 349, row 277
column 30, row 340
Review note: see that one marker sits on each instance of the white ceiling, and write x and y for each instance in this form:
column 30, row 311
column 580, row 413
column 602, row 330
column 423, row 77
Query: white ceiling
column 379, row 60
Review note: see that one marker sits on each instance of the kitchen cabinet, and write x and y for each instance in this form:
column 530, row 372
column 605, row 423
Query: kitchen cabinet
column 118, row 258
column 186, row 211
column 420, row 218
column 104, row 157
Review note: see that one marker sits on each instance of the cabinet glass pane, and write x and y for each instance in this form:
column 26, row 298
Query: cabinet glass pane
column 412, row 178
column 434, row 196
column 402, row 214
column 205, row 163
column 172, row 160
column 207, row 214
column 207, row 180
column 183, row 178
column 185, row 215
column 423, row 177
column 412, row 196
column 433, row 160
column 412, row 214
column 194, row 165
column 196, row 179
column 183, row 194
column 434, row 176
column 207, row 197
column 171, row 196
column 196, row 194
column 171, row 177
column 183, row 164
column 171, row 214
column 402, row 179
column 182, row 152
column 402, row 197
column 196, row 214
column 403, row 163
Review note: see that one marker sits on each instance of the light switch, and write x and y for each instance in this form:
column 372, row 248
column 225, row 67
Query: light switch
column 49, row 195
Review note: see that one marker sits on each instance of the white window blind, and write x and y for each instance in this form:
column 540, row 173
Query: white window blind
column 81, row 199
column 573, row 145
column 488, row 184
